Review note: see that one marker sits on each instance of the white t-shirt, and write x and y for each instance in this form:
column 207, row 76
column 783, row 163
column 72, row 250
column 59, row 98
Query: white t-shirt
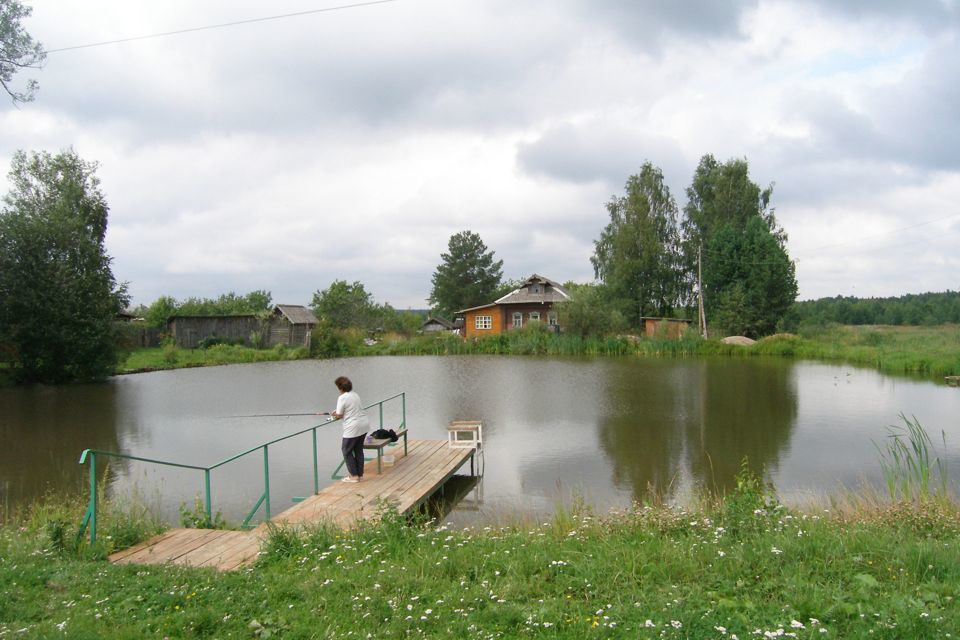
column 355, row 421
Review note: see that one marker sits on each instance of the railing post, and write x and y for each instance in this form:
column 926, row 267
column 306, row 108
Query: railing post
column 266, row 479
column 206, row 482
column 316, row 468
column 403, row 402
column 93, row 497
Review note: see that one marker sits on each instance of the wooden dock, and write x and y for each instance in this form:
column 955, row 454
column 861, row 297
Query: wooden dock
column 406, row 485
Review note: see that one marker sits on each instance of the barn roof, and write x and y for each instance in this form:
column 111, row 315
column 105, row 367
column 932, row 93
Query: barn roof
column 296, row 314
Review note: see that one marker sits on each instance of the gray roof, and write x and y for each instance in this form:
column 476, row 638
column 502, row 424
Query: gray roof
column 438, row 320
column 296, row 314
column 551, row 292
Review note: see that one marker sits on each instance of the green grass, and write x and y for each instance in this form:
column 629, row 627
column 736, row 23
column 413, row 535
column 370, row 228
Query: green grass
column 927, row 351
column 930, row 351
column 745, row 566
column 171, row 357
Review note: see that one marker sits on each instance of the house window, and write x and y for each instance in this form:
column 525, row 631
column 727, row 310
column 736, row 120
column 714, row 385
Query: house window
column 536, row 289
column 552, row 318
column 534, row 316
column 483, row 322
column 517, row 319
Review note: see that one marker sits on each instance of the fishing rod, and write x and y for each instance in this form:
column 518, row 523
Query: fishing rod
column 279, row 415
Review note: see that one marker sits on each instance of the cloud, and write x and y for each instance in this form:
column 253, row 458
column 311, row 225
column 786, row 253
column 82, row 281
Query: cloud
column 596, row 152
column 912, row 121
column 351, row 144
column 932, row 15
column 649, row 24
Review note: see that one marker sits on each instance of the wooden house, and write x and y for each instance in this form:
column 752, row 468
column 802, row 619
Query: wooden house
column 288, row 324
column 532, row 302
column 671, row 328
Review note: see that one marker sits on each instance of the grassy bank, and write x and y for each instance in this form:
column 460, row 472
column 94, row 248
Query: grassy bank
column 929, row 351
column 171, row 357
column 933, row 351
column 745, row 567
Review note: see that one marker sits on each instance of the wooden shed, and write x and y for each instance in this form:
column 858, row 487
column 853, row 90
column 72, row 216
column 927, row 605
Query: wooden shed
column 671, row 328
column 189, row 331
column 291, row 324
column 434, row 324
column 288, row 324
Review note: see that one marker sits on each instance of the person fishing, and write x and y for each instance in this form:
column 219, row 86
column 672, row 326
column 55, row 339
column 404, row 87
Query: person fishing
column 355, row 427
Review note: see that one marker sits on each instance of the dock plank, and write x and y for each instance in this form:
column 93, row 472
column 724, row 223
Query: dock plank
column 223, row 546
column 413, row 477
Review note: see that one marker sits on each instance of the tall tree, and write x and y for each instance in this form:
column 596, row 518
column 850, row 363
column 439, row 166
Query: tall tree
column 343, row 305
column 637, row 255
column 749, row 281
column 58, row 296
column 467, row 275
column 721, row 194
column 17, row 50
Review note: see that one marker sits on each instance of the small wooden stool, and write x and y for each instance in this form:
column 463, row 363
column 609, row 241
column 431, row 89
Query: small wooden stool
column 465, row 434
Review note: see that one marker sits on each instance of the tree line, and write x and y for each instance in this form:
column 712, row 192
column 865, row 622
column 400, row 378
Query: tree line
column 342, row 305
column 59, row 298
column 910, row 309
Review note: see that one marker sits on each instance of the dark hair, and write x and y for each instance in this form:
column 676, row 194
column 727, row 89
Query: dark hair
column 343, row 383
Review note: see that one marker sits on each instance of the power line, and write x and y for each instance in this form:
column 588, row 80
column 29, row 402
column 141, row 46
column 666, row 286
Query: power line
column 880, row 235
column 220, row 25
column 895, row 244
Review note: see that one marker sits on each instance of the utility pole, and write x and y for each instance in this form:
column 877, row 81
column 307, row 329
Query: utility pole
column 702, row 315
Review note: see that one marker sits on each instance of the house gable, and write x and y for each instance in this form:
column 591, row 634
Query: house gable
column 536, row 289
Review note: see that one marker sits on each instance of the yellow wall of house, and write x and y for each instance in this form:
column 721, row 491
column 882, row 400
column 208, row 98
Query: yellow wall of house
column 470, row 322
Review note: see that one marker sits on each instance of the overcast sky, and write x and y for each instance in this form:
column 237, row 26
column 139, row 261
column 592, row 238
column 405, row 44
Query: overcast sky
column 352, row 143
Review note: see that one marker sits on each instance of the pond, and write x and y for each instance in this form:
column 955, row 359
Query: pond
column 607, row 431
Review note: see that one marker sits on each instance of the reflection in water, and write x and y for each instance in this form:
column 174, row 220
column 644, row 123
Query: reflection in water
column 606, row 429
column 740, row 414
column 43, row 430
column 694, row 421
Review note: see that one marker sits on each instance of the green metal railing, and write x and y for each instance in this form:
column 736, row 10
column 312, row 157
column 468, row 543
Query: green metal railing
column 90, row 517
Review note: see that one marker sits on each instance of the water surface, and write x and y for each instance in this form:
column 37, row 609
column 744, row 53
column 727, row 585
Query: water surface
column 609, row 430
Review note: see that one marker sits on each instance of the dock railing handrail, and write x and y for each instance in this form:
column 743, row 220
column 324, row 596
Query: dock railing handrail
column 90, row 517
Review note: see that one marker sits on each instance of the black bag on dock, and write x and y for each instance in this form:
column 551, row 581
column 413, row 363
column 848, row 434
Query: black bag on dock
column 383, row 434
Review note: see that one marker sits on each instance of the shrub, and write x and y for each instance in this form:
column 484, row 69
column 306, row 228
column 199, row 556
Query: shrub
column 196, row 517
column 746, row 509
column 212, row 341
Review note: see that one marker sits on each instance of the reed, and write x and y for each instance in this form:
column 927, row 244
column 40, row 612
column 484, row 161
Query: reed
column 908, row 465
